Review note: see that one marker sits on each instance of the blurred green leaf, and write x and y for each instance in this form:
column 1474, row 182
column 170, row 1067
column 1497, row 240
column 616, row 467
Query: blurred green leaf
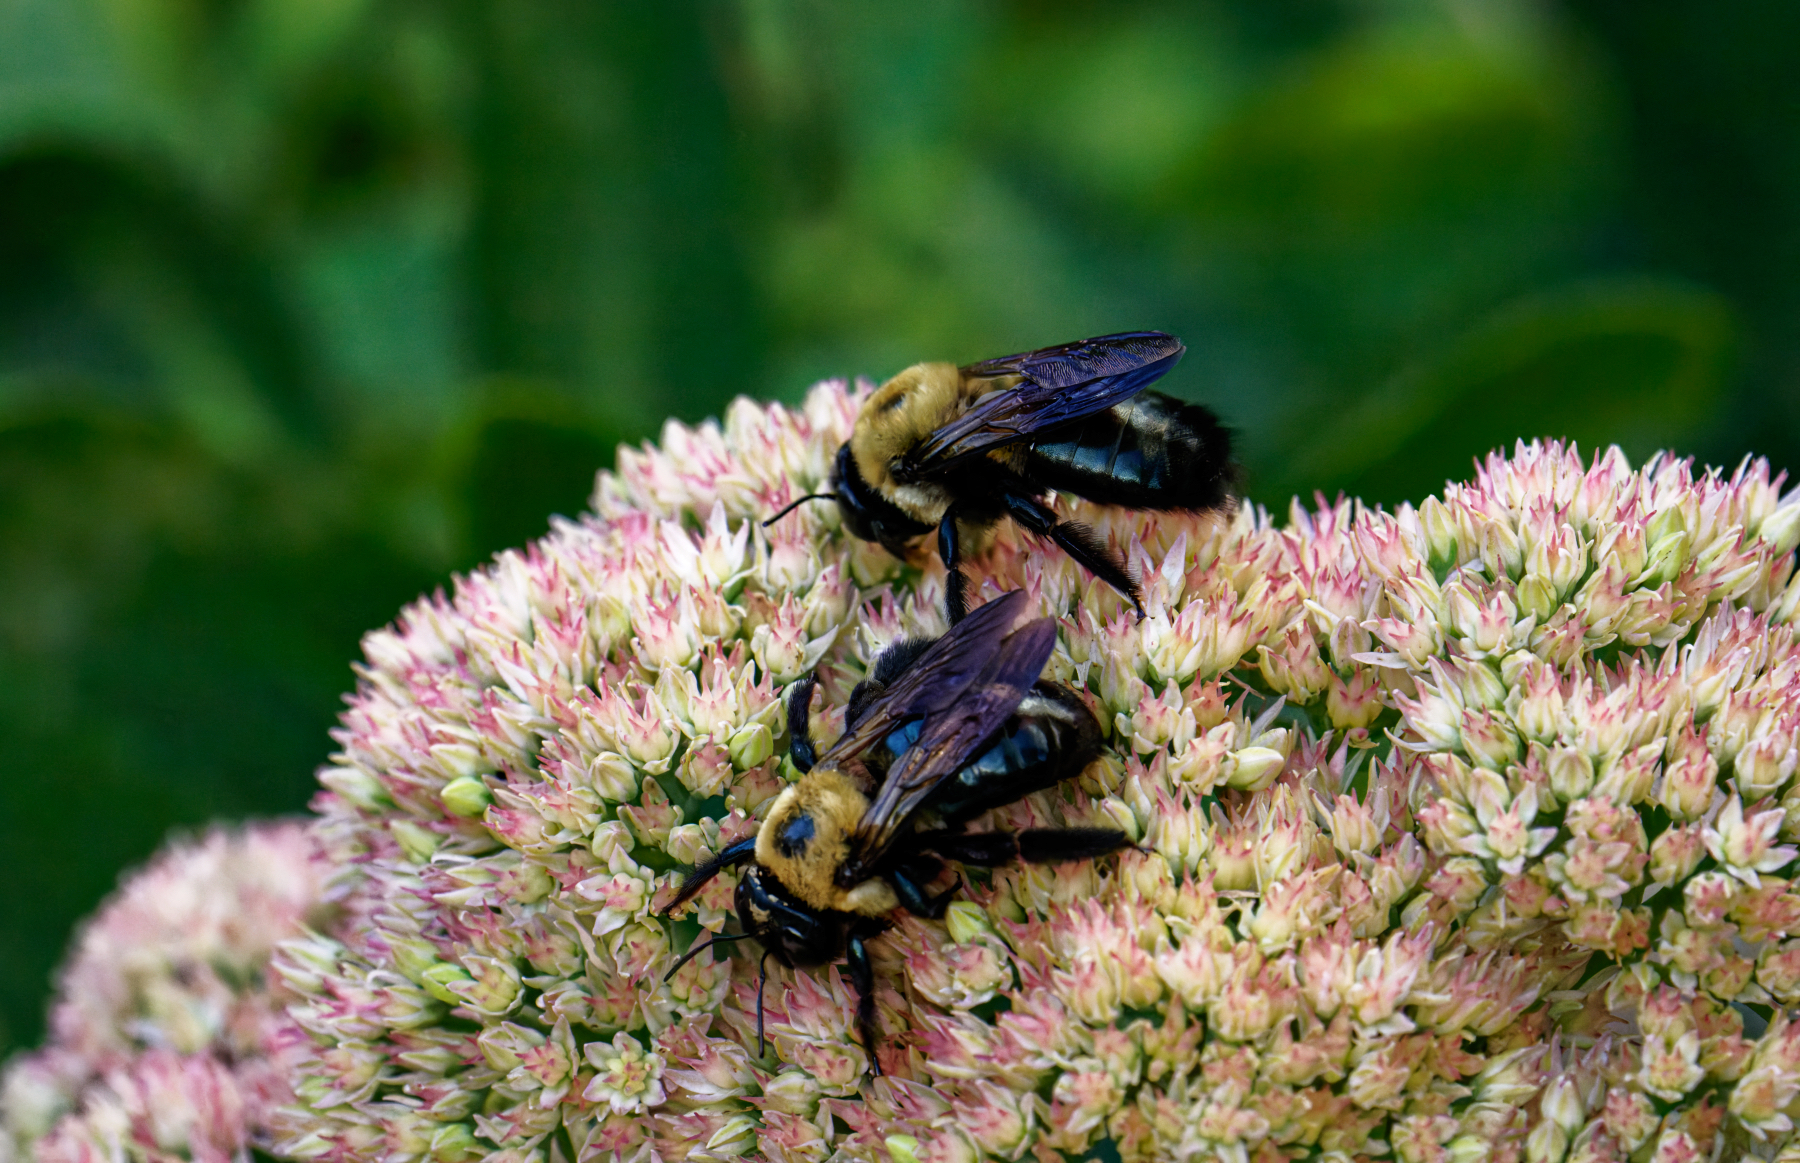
column 1638, row 363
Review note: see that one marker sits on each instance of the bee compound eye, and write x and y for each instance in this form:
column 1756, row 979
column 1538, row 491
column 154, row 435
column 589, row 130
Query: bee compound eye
column 795, row 835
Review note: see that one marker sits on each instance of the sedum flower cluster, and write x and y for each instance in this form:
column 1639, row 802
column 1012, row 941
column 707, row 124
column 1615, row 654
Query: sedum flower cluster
column 1466, row 832
column 165, row 1030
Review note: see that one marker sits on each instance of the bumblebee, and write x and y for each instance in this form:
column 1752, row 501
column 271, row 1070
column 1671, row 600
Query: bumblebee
column 946, row 729
column 955, row 449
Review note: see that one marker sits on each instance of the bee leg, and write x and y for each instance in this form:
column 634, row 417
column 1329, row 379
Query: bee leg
column 862, row 976
column 1055, row 845
column 956, row 599
column 729, row 857
column 914, row 899
column 1033, row 845
column 1076, row 540
column 982, row 849
column 799, row 712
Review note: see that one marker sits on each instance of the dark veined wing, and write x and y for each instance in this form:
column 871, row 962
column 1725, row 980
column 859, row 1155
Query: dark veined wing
column 948, row 740
column 940, row 676
column 1060, row 384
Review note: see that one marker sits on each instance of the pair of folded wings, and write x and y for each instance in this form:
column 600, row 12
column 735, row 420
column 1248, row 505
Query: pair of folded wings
column 964, row 687
column 1057, row 385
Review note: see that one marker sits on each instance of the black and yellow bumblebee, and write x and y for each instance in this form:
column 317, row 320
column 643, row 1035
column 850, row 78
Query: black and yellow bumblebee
column 941, row 731
column 955, row 449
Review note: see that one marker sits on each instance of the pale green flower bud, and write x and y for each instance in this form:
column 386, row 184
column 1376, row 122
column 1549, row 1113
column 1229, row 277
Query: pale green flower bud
column 794, row 1091
column 1254, row 768
column 468, row 796
column 1120, row 814
column 735, row 1138
column 455, row 1143
column 610, row 621
column 1561, row 1104
column 1547, row 1143
column 613, row 777
column 1440, row 533
column 1469, row 1149
column 903, row 1148
column 1667, row 555
column 358, row 787
column 416, row 840
column 438, row 978
column 1537, row 595
column 414, row 957
column 751, row 745
column 491, row 990
column 1780, row 530
column 966, row 920
column 1501, row 552
column 1571, row 773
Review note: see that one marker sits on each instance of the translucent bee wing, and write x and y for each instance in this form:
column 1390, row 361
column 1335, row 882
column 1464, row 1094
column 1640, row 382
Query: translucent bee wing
column 950, row 736
column 1069, row 365
column 937, row 680
column 1060, row 384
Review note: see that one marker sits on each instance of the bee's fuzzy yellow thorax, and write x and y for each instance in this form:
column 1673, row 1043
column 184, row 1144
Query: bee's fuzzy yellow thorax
column 806, row 836
column 902, row 413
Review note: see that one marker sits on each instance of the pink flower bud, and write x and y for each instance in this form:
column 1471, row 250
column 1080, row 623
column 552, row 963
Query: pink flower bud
column 1678, row 1147
column 1357, row 825
column 1747, row 847
column 1294, row 909
column 1630, row 1116
column 1159, row 721
column 1765, row 765
column 1675, row 854
column 1670, row 1066
column 1689, row 776
column 1293, row 667
column 998, row 1119
column 961, row 975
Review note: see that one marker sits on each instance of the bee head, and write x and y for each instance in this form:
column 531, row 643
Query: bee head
column 867, row 514
column 795, row 932
column 806, row 834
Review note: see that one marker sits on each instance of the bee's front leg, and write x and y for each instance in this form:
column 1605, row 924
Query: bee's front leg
column 956, row 598
column 799, row 714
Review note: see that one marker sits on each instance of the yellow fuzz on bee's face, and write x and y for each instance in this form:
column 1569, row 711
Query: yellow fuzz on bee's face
column 835, row 805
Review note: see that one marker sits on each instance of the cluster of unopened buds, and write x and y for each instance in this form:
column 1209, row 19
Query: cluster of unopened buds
column 1463, row 832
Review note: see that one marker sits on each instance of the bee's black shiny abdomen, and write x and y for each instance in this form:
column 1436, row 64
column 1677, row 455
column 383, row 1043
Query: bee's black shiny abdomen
column 1049, row 740
column 1150, row 452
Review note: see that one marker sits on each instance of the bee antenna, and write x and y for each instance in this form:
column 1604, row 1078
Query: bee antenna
column 795, row 504
column 696, row 950
column 762, row 979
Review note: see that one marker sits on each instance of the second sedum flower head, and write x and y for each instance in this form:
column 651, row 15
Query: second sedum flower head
column 1467, row 833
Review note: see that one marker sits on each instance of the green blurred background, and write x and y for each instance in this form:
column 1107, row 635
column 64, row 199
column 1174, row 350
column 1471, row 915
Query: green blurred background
column 305, row 304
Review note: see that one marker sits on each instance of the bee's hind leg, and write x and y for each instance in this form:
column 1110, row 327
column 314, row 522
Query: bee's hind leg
column 1055, row 845
column 1033, row 845
column 862, row 976
column 1076, row 540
